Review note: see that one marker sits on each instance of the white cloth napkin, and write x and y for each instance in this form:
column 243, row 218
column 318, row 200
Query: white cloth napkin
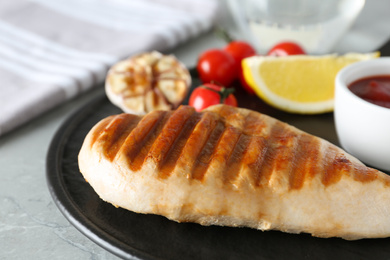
column 53, row 50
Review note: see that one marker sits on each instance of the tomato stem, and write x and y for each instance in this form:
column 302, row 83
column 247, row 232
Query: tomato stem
column 223, row 93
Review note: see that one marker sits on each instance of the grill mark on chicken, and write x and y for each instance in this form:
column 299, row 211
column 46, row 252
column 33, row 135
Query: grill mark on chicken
column 137, row 145
column 169, row 163
column 256, row 147
column 205, row 156
column 230, row 115
column 337, row 165
column 254, row 157
column 116, row 132
column 99, row 129
column 365, row 174
column 277, row 154
column 254, row 125
column 168, row 135
column 196, row 142
column 306, row 159
column 251, row 125
column 224, row 149
column 235, row 161
column 145, row 151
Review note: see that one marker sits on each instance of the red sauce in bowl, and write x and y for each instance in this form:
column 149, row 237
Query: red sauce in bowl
column 375, row 89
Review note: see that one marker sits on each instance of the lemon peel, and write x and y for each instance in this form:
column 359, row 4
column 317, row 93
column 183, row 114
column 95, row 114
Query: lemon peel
column 298, row 83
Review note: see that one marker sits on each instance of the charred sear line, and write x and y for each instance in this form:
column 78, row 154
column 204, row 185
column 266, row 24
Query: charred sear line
column 337, row 165
column 278, row 153
column 196, row 141
column 203, row 160
column 138, row 143
column 305, row 161
column 254, row 124
column 164, row 141
column 116, row 133
column 236, row 157
column 224, row 149
column 168, row 164
column 254, row 157
column 364, row 174
column 294, row 154
column 99, row 130
column 256, row 146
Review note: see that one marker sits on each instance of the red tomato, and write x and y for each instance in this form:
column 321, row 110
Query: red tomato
column 285, row 49
column 217, row 65
column 240, row 50
column 210, row 94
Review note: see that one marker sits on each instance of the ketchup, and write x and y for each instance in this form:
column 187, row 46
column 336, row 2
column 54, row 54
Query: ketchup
column 375, row 89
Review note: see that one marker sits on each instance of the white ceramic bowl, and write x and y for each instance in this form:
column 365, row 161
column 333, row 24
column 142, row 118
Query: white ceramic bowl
column 363, row 128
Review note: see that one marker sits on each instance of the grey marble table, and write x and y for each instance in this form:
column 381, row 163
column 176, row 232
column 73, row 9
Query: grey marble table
column 31, row 226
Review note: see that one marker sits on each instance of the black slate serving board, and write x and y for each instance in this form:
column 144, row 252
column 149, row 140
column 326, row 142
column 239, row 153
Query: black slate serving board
column 130, row 235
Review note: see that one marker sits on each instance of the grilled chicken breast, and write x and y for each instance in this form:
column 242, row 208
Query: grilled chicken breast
column 234, row 167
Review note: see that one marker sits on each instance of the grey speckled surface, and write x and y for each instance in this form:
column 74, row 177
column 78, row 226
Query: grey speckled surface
column 31, row 226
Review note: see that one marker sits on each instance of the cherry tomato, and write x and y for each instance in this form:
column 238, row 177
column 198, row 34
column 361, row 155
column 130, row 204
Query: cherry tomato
column 211, row 94
column 286, row 49
column 217, row 65
column 240, row 50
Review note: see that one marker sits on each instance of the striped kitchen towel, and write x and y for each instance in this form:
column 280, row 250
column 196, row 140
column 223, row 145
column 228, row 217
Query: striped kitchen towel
column 53, row 50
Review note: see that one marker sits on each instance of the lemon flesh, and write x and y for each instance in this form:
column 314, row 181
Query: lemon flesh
column 299, row 83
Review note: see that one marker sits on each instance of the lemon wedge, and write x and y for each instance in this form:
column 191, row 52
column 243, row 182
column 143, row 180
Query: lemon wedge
column 298, row 83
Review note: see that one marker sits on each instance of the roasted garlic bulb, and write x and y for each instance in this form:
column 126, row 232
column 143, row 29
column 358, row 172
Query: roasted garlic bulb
column 146, row 82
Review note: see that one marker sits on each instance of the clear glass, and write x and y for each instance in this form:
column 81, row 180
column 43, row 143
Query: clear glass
column 316, row 25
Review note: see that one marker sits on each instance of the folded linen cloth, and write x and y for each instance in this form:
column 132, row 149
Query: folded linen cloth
column 51, row 51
